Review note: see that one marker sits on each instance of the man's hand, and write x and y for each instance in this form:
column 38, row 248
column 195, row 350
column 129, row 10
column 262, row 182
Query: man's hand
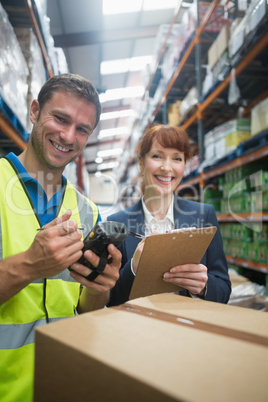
column 95, row 293
column 192, row 277
column 54, row 248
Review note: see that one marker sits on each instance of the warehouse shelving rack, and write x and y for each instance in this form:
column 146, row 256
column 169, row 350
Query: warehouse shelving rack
column 21, row 13
column 244, row 154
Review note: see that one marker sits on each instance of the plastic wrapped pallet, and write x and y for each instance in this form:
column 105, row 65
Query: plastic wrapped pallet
column 255, row 14
column 13, row 70
column 173, row 52
column 37, row 72
column 62, row 66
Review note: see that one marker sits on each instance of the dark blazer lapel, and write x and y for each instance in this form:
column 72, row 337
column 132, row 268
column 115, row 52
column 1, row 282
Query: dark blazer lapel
column 184, row 214
column 136, row 213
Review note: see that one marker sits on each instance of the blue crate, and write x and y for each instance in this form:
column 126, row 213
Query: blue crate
column 13, row 119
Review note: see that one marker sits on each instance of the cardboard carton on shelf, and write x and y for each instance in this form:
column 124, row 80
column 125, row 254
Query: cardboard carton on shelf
column 219, row 46
column 155, row 349
column 174, row 117
column 259, row 117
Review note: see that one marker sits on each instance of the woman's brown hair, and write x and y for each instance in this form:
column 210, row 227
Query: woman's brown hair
column 168, row 137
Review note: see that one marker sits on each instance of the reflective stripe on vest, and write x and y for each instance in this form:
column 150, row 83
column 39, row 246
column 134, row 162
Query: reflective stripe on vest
column 15, row 336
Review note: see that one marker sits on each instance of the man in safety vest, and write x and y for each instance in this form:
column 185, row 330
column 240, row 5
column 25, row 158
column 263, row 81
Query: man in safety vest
column 36, row 286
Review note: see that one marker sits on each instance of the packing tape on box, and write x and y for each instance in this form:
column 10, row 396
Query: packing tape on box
column 195, row 324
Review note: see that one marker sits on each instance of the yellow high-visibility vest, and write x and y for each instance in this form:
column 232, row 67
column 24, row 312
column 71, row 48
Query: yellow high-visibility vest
column 42, row 301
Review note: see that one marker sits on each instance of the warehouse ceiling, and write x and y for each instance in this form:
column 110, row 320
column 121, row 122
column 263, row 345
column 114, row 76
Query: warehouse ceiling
column 88, row 38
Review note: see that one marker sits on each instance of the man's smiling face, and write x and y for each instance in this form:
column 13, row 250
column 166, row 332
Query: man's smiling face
column 61, row 129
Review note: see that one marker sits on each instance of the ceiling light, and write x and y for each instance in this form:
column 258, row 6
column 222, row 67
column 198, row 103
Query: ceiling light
column 98, row 174
column 124, row 65
column 111, row 132
column 120, row 6
column 110, row 152
column 108, row 165
column 122, row 93
column 98, row 160
column 117, row 114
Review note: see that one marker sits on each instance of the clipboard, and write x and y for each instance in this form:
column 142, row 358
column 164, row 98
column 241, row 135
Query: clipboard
column 164, row 251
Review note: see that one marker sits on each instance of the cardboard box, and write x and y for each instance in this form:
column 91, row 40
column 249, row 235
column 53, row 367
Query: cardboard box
column 174, row 117
column 213, row 55
column 155, row 349
column 259, row 117
column 223, row 39
column 219, row 46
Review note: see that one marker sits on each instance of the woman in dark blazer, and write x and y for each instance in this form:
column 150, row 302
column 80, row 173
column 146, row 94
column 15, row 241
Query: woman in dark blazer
column 163, row 152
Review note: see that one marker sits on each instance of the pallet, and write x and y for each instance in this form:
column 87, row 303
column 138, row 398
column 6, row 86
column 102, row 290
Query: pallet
column 219, row 162
column 246, row 147
column 193, row 174
column 253, row 144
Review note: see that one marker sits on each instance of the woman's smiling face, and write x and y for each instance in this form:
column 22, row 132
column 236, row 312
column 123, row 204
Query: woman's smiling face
column 162, row 169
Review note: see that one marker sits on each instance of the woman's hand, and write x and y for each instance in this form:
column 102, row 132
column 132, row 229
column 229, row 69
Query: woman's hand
column 137, row 256
column 192, row 277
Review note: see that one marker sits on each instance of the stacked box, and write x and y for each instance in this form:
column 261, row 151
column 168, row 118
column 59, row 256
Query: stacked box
column 245, row 189
column 241, row 232
column 239, row 249
column 246, row 241
column 225, row 138
column 222, row 64
column 255, row 14
column 238, row 204
column 213, row 197
column 236, row 40
column 261, row 236
column 256, row 11
column 259, row 180
column 224, row 206
column 219, row 46
column 258, row 252
column 259, row 117
column 259, row 201
column 174, row 117
column 236, row 131
column 209, row 145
